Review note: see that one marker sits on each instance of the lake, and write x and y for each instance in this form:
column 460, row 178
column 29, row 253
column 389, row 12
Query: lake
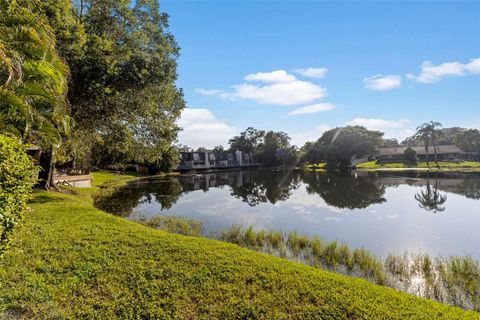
column 436, row 213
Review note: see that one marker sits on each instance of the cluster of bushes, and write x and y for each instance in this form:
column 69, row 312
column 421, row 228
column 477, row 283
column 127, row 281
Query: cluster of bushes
column 17, row 177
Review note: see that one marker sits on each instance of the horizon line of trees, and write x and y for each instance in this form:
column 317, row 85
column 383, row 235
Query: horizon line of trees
column 338, row 146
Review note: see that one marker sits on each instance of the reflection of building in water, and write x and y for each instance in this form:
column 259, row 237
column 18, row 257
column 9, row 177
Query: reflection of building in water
column 419, row 181
column 214, row 160
column 213, row 180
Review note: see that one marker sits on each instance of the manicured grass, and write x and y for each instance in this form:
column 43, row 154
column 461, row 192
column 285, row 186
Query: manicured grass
column 72, row 261
column 444, row 165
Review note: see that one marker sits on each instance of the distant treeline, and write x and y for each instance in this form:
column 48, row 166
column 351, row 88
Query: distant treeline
column 338, row 146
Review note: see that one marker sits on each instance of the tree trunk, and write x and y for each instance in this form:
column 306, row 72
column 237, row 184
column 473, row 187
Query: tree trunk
column 46, row 171
column 435, row 154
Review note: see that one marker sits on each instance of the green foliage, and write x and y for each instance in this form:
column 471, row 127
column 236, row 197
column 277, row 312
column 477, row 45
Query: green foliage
column 338, row 146
column 33, row 82
column 410, row 154
column 17, row 176
column 116, row 268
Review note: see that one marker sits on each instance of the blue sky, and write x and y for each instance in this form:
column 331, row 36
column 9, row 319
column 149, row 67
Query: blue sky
column 304, row 67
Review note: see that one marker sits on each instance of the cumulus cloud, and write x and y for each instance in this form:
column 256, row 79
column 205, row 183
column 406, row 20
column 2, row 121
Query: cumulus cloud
column 274, row 88
column 202, row 129
column 318, row 73
column 392, row 128
column 208, row 92
column 382, row 83
column 299, row 138
column 430, row 73
column 377, row 124
column 313, row 108
column 271, row 77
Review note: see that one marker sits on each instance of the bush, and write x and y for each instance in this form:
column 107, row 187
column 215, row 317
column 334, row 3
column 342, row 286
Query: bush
column 17, row 177
column 410, row 154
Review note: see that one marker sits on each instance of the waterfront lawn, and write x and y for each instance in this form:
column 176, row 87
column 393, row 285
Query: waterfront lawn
column 444, row 165
column 72, row 261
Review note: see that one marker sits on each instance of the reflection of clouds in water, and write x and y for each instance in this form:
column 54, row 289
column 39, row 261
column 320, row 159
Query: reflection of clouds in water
column 332, row 219
column 392, row 216
column 301, row 198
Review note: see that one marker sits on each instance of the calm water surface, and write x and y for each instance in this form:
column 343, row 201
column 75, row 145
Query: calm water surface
column 434, row 213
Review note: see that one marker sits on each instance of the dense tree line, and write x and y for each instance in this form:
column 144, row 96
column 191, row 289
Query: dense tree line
column 90, row 80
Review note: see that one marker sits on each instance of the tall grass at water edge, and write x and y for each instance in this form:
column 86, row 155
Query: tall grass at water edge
column 453, row 280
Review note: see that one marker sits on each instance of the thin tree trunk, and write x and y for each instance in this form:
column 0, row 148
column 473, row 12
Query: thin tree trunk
column 46, row 172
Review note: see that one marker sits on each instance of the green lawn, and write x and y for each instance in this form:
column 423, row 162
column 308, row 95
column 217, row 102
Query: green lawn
column 72, row 261
column 444, row 165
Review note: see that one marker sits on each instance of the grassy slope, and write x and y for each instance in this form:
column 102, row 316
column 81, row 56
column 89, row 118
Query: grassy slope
column 71, row 260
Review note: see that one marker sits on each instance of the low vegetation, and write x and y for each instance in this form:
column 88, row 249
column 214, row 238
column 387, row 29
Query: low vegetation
column 73, row 261
column 442, row 165
column 17, row 177
column 453, row 280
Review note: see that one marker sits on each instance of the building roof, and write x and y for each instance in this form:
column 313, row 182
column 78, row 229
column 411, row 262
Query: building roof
column 419, row 150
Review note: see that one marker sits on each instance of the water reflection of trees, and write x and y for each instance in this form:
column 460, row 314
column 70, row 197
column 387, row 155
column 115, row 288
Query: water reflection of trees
column 121, row 201
column 266, row 186
column 352, row 191
column 344, row 190
column 430, row 199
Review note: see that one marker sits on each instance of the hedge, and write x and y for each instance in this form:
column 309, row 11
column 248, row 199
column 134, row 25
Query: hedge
column 17, row 177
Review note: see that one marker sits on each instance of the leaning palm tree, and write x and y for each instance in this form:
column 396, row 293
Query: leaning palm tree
column 33, row 83
column 423, row 134
column 434, row 135
column 428, row 133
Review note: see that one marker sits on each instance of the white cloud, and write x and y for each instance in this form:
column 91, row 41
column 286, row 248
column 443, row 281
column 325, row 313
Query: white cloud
column 313, row 108
column 300, row 138
column 202, row 129
column 431, row 73
column 271, row 77
column 318, row 73
column 208, row 92
column 392, row 128
column 275, row 88
column 382, row 83
column 378, row 124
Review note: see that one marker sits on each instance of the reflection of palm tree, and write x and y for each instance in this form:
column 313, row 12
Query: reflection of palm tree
column 430, row 199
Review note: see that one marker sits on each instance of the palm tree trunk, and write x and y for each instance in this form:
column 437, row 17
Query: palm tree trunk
column 46, row 173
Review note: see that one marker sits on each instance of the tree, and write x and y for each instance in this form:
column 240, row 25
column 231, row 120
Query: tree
column 218, row 149
column 33, row 84
column 428, row 133
column 469, row 141
column 248, row 140
column 276, row 149
column 390, row 143
column 410, row 154
column 338, row 146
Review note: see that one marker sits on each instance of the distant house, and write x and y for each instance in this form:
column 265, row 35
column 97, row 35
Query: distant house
column 444, row 153
column 214, row 160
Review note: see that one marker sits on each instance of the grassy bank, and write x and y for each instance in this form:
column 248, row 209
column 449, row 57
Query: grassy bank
column 467, row 166
column 73, row 261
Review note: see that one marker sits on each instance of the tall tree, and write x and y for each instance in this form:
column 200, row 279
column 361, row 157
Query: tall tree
column 338, row 146
column 429, row 133
column 33, row 83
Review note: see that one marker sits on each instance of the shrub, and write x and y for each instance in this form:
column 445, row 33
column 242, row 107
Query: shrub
column 17, row 177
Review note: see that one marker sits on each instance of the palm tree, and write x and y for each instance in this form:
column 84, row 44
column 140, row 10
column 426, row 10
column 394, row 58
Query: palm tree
column 33, row 84
column 428, row 133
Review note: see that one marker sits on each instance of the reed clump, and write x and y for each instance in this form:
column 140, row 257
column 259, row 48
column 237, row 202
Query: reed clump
column 453, row 280
column 173, row 224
